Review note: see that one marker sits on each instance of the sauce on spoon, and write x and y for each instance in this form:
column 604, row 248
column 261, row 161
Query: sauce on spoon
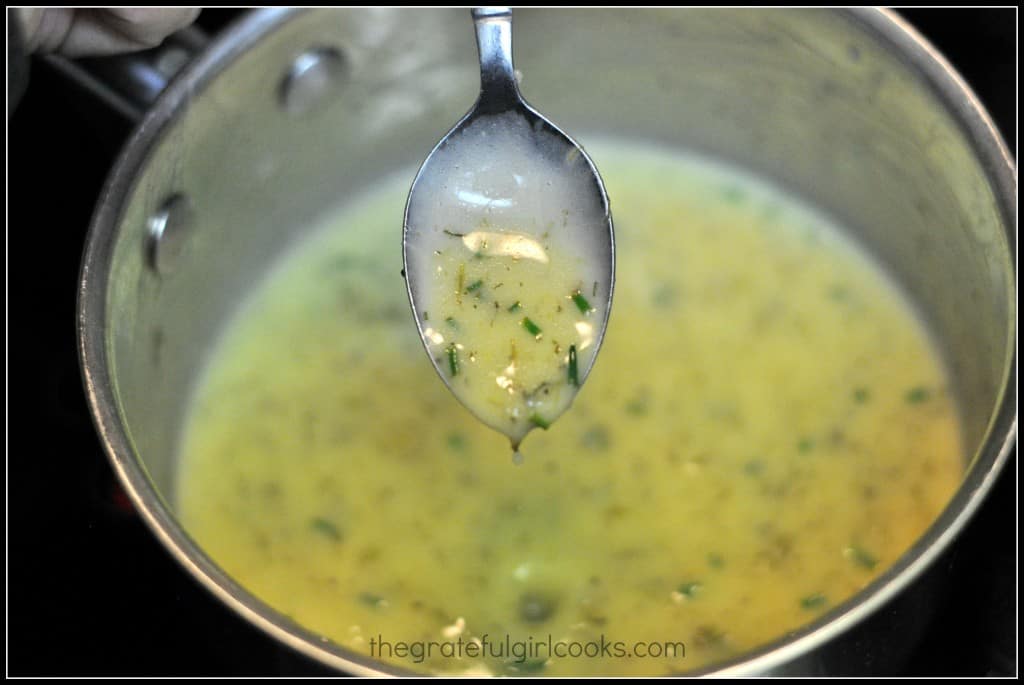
column 509, row 253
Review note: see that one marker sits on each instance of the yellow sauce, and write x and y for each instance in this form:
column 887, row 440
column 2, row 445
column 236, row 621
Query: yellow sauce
column 766, row 429
column 505, row 235
column 511, row 327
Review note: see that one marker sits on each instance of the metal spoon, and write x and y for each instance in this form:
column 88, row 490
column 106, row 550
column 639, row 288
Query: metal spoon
column 504, row 164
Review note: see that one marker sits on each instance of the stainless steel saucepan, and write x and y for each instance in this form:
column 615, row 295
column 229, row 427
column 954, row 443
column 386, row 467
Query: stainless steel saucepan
column 289, row 112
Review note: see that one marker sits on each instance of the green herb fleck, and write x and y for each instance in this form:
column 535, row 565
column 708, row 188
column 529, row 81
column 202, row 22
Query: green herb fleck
column 474, row 286
column 665, row 295
column 537, row 608
column 861, row 395
column 691, row 589
column 581, row 302
column 839, row 293
column 708, row 636
column 861, row 557
column 515, row 306
column 452, row 323
column 805, row 445
column 639, row 405
column 371, row 600
column 574, row 373
column 596, row 438
column 715, row 561
column 453, row 360
column 531, row 328
column 539, row 421
column 456, row 442
column 525, row 666
column 326, row 528
column 918, row 395
column 815, row 601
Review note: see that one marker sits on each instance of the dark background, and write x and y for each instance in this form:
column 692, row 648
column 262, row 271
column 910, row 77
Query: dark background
column 91, row 592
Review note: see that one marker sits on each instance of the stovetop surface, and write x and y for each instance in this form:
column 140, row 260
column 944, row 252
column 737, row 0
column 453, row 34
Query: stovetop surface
column 90, row 590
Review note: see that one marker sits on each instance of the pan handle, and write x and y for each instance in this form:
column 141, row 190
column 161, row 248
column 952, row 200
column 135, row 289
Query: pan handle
column 128, row 84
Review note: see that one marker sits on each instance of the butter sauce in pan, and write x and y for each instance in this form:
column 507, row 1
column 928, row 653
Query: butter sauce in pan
column 767, row 428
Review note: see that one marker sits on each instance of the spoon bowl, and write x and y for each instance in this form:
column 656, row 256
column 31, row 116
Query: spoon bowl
column 508, row 200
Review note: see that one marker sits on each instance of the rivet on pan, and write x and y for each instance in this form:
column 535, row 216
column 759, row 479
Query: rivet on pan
column 168, row 230
column 312, row 77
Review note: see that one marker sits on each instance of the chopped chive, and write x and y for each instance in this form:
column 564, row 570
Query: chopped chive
column 371, row 600
column 690, row 589
column 326, row 528
column 861, row 395
column 639, row 405
column 754, row 467
column 474, row 286
column 664, row 296
column 537, row 608
column 456, row 442
column 574, row 374
column 918, row 395
column 453, row 360
column 596, row 438
column 540, row 422
column 452, row 323
column 454, row 234
column 815, row 601
column 861, row 557
column 515, row 306
column 532, row 328
column 512, row 667
column 708, row 636
column 581, row 302
column 838, row 293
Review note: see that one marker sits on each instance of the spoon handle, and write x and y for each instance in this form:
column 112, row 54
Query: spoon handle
column 498, row 89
